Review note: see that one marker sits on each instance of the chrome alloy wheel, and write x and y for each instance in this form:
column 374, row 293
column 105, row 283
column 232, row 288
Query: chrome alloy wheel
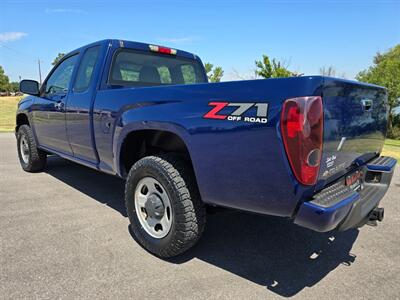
column 24, row 149
column 153, row 207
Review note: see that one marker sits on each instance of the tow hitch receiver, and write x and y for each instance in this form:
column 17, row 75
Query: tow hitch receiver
column 376, row 215
column 351, row 201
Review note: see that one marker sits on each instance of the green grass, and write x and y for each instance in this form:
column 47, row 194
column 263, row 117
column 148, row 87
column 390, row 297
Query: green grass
column 8, row 107
column 392, row 148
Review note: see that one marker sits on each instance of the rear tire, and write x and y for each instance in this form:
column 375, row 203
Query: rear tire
column 178, row 198
column 30, row 157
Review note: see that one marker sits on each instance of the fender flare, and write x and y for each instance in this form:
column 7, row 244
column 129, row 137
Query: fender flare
column 121, row 133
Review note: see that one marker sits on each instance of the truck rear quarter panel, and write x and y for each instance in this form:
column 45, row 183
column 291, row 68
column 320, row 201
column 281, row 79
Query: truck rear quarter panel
column 237, row 164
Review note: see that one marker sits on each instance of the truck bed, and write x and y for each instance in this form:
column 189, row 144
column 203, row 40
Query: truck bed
column 243, row 164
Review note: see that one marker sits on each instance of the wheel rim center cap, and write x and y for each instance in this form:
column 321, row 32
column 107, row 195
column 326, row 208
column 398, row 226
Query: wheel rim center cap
column 154, row 207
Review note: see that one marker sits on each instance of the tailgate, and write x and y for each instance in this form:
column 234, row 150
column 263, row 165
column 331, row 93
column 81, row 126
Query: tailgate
column 355, row 121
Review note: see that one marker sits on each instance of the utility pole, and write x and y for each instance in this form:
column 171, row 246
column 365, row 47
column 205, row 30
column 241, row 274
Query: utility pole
column 40, row 72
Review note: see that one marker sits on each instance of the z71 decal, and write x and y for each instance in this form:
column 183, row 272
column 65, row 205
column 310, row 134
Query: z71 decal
column 261, row 110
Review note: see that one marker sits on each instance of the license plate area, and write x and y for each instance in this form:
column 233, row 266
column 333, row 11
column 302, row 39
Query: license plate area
column 354, row 180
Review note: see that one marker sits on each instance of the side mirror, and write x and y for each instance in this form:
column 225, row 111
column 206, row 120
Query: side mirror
column 30, row 87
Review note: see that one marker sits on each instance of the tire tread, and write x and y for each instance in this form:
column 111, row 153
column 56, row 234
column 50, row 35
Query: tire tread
column 190, row 213
column 37, row 158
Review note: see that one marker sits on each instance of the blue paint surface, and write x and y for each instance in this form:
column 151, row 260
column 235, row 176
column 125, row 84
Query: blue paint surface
column 237, row 164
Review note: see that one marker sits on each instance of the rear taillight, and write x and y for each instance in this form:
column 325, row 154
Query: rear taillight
column 302, row 128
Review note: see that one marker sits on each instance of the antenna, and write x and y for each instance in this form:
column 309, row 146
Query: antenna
column 40, row 72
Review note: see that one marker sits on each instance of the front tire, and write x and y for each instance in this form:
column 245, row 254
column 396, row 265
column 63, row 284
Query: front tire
column 30, row 157
column 163, row 205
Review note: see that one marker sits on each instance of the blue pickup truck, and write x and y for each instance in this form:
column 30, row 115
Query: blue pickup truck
column 306, row 148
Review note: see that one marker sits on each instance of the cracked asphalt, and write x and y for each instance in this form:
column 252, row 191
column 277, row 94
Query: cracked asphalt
column 64, row 234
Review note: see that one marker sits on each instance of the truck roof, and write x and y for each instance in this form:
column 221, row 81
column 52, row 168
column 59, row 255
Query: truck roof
column 137, row 46
column 145, row 47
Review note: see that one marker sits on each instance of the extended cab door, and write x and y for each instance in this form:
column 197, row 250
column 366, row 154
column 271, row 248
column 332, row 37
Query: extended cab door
column 49, row 108
column 80, row 105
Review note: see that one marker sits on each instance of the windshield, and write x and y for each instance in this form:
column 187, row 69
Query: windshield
column 135, row 68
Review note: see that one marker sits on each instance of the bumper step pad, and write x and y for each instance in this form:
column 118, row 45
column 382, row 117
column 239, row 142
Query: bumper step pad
column 332, row 195
column 381, row 164
column 340, row 207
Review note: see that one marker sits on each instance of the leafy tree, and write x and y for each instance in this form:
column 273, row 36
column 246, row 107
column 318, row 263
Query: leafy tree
column 4, row 81
column 396, row 120
column 14, row 86
column 216, row 74
column 208, row 67
column 385, row 71
column 58, row 58
column 274, row 69
column 213, row 74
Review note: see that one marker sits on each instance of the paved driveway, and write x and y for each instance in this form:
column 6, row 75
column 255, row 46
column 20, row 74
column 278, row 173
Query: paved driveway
column 64, row 234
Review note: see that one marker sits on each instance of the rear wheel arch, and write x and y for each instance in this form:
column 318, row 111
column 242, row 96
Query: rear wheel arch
column 140, row 143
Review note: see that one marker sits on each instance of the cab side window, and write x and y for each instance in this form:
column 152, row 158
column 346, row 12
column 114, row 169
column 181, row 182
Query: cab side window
column 86, row 68
column 60, row 78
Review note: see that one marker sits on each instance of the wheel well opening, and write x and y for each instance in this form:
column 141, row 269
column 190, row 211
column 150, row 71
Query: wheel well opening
column 22, row 119
column 139, row 144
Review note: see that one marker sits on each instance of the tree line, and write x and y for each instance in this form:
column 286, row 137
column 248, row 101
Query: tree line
column 5, row 85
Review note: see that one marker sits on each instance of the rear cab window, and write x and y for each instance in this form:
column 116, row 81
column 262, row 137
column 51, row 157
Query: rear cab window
column 140, row 68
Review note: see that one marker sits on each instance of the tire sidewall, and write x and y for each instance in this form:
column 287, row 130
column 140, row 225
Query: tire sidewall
column 155, row 245
column 22, row 133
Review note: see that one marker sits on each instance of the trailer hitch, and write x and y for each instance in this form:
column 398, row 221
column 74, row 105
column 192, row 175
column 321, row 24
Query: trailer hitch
column 376, row 215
